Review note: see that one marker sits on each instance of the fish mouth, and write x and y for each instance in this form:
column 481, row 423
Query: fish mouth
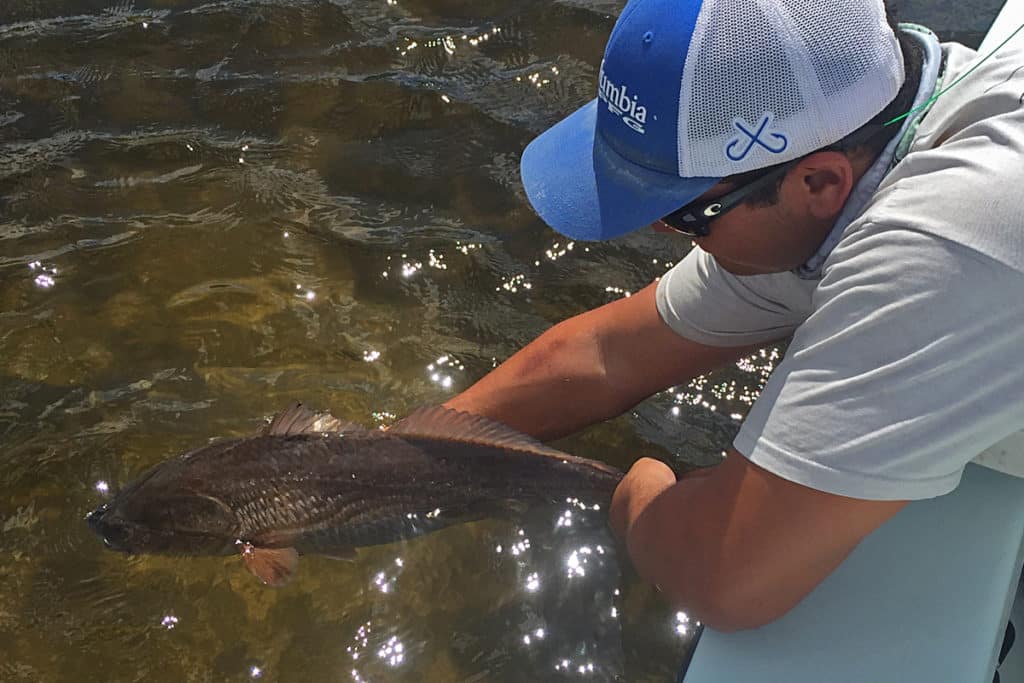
column 111, row 534
column 95, row 518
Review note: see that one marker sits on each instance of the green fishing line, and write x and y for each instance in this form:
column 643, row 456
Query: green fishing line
column 934, row 97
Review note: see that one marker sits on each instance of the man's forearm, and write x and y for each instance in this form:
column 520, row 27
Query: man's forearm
column 554, row 386
column 590, row 368
column 655, row 517
column 737, row 546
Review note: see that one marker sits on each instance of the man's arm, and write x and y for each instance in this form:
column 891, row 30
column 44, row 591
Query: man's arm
column 740, row 546
column 590, row 368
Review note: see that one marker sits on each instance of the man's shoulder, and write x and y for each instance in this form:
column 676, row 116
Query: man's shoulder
column 894, row 261
column 958, row 180
column 976, row 85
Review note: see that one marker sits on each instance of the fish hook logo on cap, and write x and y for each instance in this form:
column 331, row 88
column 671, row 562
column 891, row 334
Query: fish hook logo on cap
column 692, row 91
column 781, row 142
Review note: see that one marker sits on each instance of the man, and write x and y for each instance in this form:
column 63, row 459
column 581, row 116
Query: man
column 890, row 248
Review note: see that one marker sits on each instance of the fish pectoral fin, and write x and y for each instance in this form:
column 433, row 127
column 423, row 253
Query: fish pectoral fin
column 343, row 554
column 298, row 419
column 273, row 566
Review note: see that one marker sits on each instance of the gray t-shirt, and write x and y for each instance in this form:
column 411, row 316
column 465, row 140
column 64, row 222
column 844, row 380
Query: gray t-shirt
column 905, row 359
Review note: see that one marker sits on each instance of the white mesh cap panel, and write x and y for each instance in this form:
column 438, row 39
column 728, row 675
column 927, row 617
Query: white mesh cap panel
column 839, row 57
column 795, row 74
column 728, row 70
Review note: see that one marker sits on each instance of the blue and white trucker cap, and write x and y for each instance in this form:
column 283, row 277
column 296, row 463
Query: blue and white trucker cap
column 691, row 91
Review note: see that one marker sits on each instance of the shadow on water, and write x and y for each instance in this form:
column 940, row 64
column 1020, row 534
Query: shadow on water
column 209, row 209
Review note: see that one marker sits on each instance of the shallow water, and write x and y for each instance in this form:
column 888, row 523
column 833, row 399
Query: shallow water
column 210, row 209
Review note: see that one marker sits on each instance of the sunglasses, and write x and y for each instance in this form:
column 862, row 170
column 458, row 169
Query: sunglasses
column 694, row 219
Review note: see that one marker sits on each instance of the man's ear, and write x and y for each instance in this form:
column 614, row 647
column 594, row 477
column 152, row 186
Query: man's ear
column 824, row 181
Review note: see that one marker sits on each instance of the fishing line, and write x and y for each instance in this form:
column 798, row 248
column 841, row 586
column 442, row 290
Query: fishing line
column 967, row 73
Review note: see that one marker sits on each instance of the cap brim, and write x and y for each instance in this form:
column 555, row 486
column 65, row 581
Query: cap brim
column 585, row 190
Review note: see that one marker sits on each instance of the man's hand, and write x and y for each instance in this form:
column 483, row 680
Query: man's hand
column 644, row 481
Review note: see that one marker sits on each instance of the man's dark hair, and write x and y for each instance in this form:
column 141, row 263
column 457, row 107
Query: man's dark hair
column 913, row 57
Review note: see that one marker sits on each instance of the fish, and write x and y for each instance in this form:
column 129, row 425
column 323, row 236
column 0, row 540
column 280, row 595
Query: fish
column 310, row 483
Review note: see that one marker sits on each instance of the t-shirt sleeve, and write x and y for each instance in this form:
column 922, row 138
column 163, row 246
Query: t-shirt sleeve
column 703, row 302
column 907, row 367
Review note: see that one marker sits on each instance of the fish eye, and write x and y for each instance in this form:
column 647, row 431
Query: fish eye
column 115, row 537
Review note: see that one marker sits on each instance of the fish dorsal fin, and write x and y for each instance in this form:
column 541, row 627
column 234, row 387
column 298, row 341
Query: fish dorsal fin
column 444, row 423
column 298, row 419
